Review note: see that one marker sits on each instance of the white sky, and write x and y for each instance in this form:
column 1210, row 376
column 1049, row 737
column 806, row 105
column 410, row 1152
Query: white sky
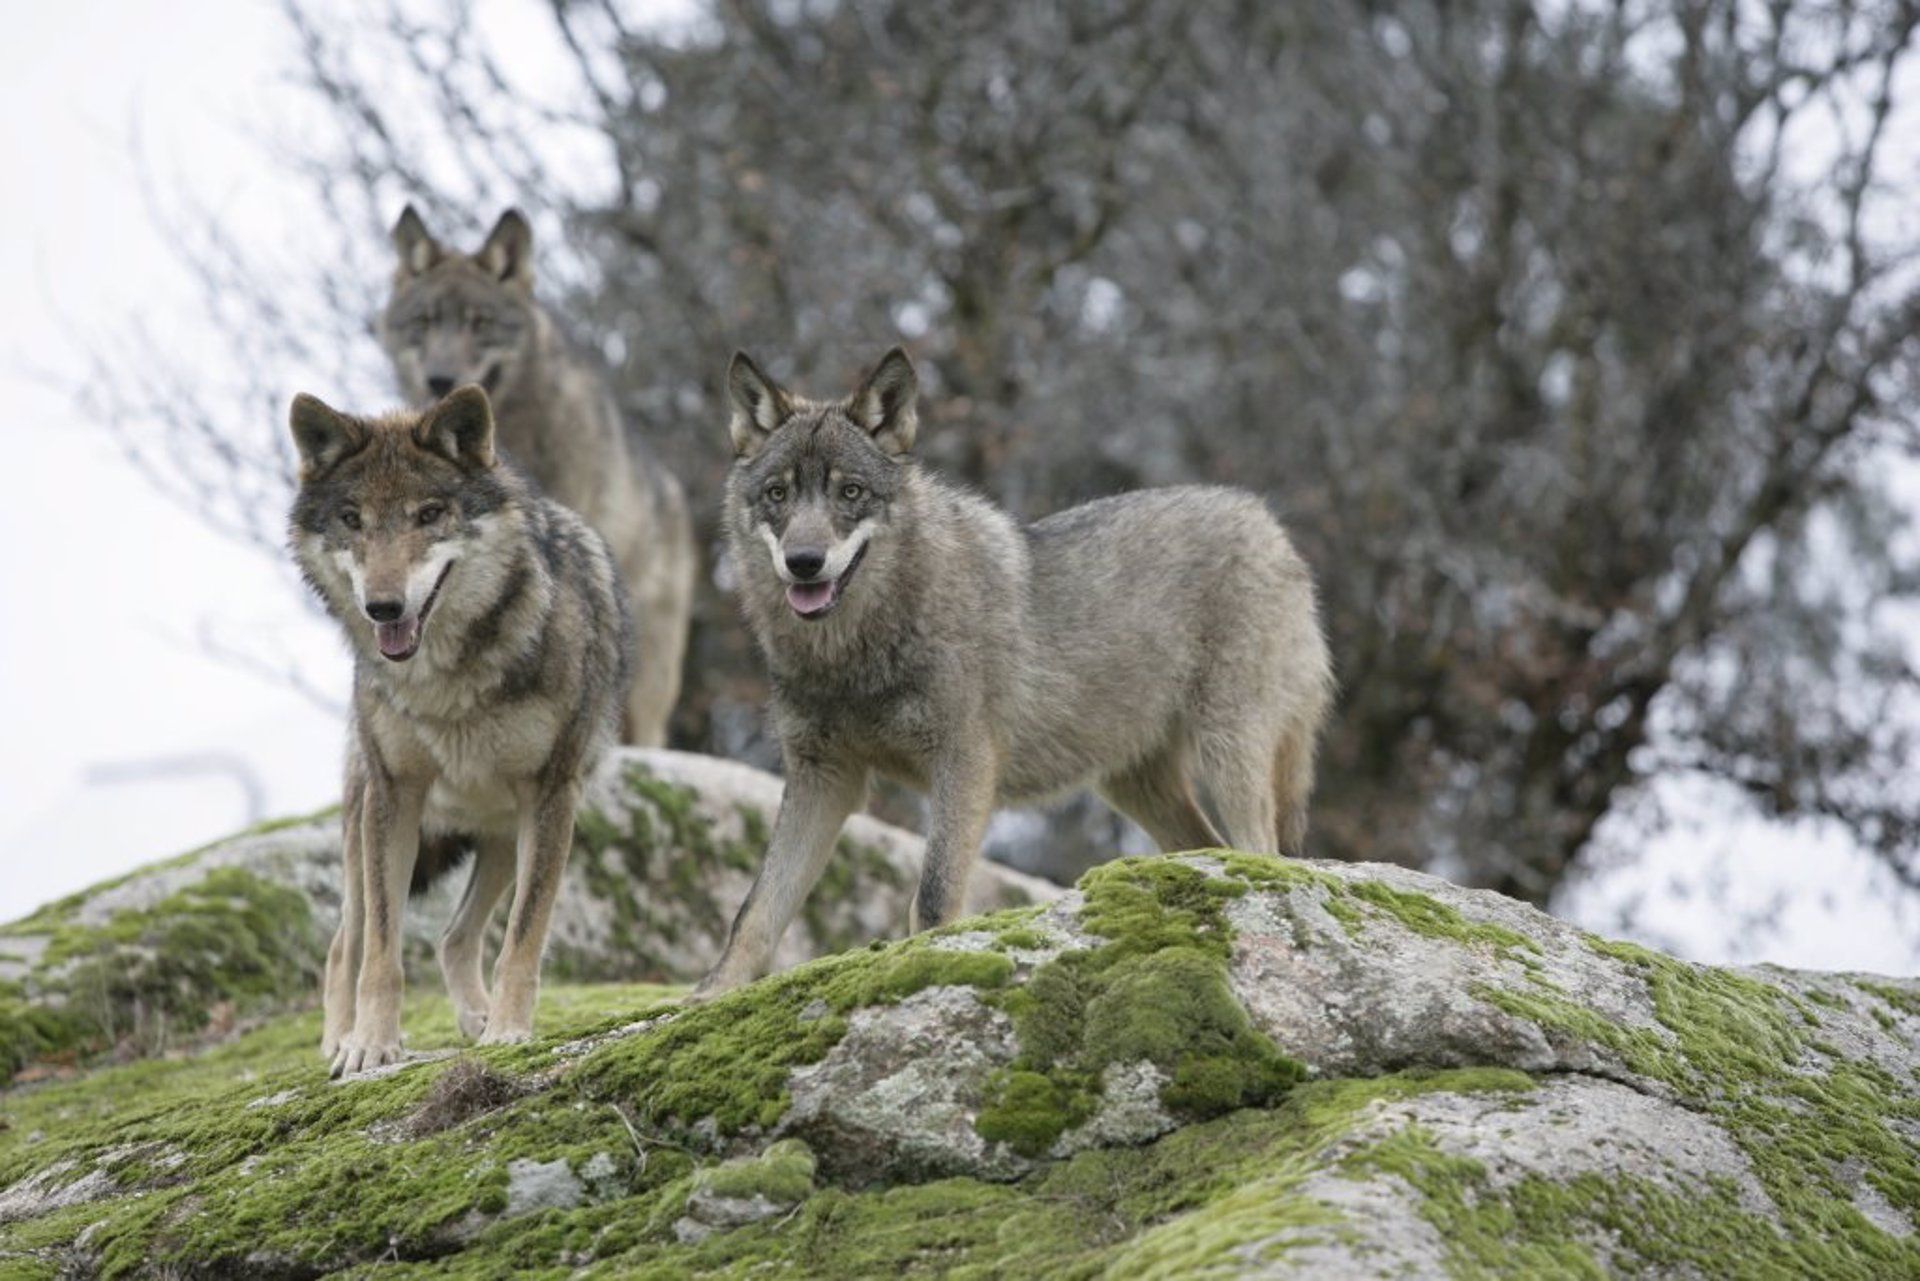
column 104, row 584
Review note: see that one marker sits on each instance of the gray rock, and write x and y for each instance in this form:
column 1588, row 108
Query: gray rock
column 1130, row 1111
column 1567, row 1128
column 533, row 1186
column 898, row 1096
column 52, row 1189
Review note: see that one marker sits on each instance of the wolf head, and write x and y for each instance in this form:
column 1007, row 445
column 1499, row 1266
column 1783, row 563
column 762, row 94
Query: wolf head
column 388, row 509
column 815, row 483
column 457, row 318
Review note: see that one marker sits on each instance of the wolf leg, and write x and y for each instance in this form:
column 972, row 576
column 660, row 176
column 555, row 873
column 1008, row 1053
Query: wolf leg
column 658, row 566
column 1157, row 795
column 461, row 944
column 816, row 804
column 1238, row 772
column 964, row 784
column 391, row 826
column 661, row 648
column 1293, row 787
column 343, row 957
column 546, row 838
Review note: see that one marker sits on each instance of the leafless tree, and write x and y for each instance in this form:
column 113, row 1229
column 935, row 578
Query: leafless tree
column 1577, row 342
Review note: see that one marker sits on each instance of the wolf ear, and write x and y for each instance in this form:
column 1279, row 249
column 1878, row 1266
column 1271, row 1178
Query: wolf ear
column 322, row 434
column 508, row 253
column 759, row 405
column 416, row 246
column 885, row 403
column 459, row 428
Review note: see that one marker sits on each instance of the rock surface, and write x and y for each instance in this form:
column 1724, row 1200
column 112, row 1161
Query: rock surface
column 1204, row 1065
column 666, row 846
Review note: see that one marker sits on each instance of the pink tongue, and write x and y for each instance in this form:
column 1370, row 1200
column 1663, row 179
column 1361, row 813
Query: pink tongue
column 809, row 598
column 397, row 640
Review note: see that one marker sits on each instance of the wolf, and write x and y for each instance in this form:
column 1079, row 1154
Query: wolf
column 491, row 638
column 455, row 318
column 1142, row 643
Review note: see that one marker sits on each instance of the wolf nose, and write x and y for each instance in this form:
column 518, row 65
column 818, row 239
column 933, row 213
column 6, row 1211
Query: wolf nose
column 806, row 563
column 439, row 386
column 385, row 611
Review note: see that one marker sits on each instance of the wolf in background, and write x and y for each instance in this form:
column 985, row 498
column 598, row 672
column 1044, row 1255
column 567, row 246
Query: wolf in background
column 491, row 641
column 1141, row 643
column 455, row 318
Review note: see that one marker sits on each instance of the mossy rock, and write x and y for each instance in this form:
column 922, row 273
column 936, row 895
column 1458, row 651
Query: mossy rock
column 1211, row 1064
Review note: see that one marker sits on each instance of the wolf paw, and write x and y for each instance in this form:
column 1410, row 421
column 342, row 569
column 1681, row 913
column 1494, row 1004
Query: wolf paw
column 472, row 1021
column 506, row 1035
column 356, row 1056
column 717, row 983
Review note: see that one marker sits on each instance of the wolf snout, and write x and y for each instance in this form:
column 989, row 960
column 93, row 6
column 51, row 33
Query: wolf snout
column 385, row 611
column 439, row 385
column 805, row 562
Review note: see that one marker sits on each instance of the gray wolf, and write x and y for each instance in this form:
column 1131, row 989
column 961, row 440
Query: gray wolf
column 491, row 640
column 455, row 318
column 1141, row 643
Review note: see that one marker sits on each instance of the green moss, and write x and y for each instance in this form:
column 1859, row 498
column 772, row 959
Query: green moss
column 853, row 871
column 1155, row 991
column 245, row 1161
column 665, row 849
column 48, row 917
column 30, row 1031
column 1031, row 1109
column 149, row 977
column 282, row 824
column 248, row 1148
column 350, row 1191
column 1267, row 870
column 1352, row 902
column 728, row 1061
column 783, row 1174
column 1599, row 1226
column 1738, row 1049
column 1901, row 999
column 331, row 1178
column 1567, row 1022
column 1434, row 919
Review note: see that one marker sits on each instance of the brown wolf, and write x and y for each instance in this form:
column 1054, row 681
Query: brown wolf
column 1140, row 643
column 490, row 636
column 458, row 318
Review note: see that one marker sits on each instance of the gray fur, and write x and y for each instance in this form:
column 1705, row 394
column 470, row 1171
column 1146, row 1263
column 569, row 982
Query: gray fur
column 478, row 716
column 1140, row 643
column 473, row 318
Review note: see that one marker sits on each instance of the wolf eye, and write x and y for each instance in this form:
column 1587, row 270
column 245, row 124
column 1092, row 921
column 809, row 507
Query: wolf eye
column 430, row 514
column 851, row 491
column 350, row 519
column 776, row 493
